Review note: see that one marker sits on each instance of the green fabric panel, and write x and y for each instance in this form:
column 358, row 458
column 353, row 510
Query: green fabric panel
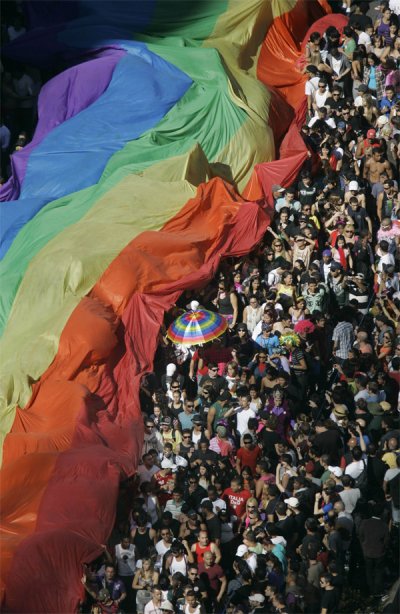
column 205, row 115
column 190, row 19
column 68, row 266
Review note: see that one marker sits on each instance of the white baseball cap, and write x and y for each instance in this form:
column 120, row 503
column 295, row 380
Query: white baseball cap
column 258, row 598
column 353, row 185
column 336, row 471
column 292, row 501
column 279, row 540
column 242, row 550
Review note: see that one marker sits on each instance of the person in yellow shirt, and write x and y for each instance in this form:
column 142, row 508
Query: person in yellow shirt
column 393, row 451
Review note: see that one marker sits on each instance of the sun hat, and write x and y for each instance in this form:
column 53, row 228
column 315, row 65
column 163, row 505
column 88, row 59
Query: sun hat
column 340, row 410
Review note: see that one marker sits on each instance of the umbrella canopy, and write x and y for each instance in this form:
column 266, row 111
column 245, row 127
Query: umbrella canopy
column 197, row 327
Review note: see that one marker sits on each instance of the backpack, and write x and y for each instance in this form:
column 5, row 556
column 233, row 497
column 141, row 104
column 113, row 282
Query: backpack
column 361, row 481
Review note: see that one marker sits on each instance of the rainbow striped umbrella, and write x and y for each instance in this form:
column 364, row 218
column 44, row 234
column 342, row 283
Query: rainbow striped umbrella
column 197, row 327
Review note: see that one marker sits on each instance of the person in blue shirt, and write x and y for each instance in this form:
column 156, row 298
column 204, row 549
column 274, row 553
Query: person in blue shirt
column 267, row 340
column 389, row 100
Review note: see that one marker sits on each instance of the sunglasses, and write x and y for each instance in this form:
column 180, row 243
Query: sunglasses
column 186, row 436
column 175, row 387
column 187, row 405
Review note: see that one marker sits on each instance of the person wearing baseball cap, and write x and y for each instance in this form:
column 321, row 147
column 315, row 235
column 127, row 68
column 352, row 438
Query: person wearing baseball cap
column 292, row 502
column 256, row 602
column 337, row 472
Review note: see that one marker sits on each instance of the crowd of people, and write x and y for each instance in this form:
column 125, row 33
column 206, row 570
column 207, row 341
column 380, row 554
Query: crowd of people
column 20, row 87
column 270, row 471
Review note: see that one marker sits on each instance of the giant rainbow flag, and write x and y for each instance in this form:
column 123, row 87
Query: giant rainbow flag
column 153, row 158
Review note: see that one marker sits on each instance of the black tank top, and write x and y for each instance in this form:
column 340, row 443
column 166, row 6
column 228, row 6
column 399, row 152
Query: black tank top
column 225, row 305
column 142, row 542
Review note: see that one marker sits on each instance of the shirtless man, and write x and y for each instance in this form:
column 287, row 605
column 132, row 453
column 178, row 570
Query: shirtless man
column 376, row 165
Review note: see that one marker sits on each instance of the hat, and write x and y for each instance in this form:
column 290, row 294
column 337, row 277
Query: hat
column 386, row 130
column 341, row 125
column 371, row 133
column 292, row 502
column 327, row 252
column 336, row 471
column 335, row 266
column 193, row 306
column 103, row 594
column 166, row 420
column 171, row 368
column 167, row 605
column 279, row 539
column 221, row 430
column 375, row 409
column 242, row 550
column 191, row 513
column 197, row 419
column 277, row 188
column 303, row 218
column 242, row 327
column 382, row 121
column 385, row 406
column 257, row 598
column 340, row 410
column 309, row 467
column 362, row 88
column 353, row 185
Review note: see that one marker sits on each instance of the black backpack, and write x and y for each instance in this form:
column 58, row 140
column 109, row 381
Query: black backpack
column 361, row 481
